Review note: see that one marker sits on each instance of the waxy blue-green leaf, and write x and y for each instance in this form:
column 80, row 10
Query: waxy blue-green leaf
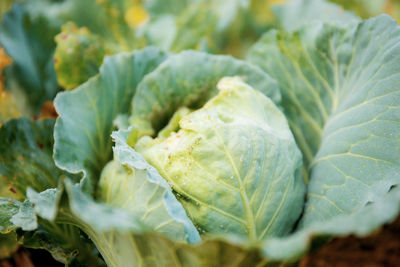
column 151, row 250
column 15, row 214
column 341, row 95
column 361, row 223
column 132, row 197
column 46, row 202
column 130, row 183
column 26, row 156
column 8, row 208
column 25, row 218
column 234, row 164
column 85, row 210
column 26, row 166
column 297, row 13
column 64, row 242
column 83, row 129
column 190, row 79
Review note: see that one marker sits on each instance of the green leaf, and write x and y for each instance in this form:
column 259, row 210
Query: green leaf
column 46, row 202
column 297, row 13
column 161, row 7
column 120, row 234
column 88, row 211
column 25, row 217
column 26, row 149
column 228, row 10
column 65, row 242
column 133, row 198
column 341, row 94
column 28, row 40
column 4, row 7
column 197, row 23
column 138, row 188
column 159, row 31
column 27, row 166
column 361, row 223
column 152, row 250
column 14, row 214
column 119, row 244
column 8, row 208
column 234, row 164
column 78, row 55
column 117, row 18
column 183, row 24
column 189, row 79
column 82, row 131
column 369, row 8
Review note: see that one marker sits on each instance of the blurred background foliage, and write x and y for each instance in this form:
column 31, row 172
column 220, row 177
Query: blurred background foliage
column 33, row 35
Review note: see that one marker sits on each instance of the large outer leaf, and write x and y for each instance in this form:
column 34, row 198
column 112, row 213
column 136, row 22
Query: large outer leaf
column 65, row 242
column 82, row 131
column 190, row 79
column 341, row 94
column 150, row 250
column 25, row 155
column 361, row 223
column 234, row 164
column 26, row 164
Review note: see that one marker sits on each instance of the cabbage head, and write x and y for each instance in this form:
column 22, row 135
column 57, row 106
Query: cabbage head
column 233, row 164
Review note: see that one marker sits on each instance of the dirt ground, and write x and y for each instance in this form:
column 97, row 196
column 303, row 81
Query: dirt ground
column 381, row 249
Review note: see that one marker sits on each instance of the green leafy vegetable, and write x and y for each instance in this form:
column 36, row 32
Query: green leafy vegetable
column 26, row 156
column 163, row 157
column 224, row 163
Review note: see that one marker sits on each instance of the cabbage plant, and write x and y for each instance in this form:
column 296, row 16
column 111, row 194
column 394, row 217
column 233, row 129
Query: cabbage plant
column 195, row 159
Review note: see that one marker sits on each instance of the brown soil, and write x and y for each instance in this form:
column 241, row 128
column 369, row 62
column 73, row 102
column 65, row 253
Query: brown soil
column 381, row 249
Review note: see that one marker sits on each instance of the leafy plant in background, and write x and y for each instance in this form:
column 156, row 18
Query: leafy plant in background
column 164, row 156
